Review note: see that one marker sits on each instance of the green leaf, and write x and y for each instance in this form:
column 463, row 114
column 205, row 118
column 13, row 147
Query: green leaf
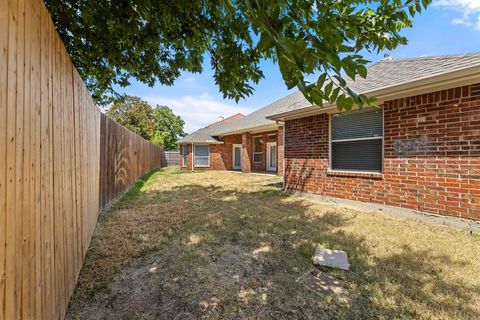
column 328, row 89
column 316, row 97
column 362, row 71
column 334, row 95
column 321, row 80
column 266, row 42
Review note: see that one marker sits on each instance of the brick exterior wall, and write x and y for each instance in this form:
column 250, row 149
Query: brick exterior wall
column 247, row 152
column 280, row 151
column 440, row 174
column 221, row 155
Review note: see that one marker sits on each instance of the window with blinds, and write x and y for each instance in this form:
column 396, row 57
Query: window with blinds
column 202, row 155
column 357, row 141
column 257, row 149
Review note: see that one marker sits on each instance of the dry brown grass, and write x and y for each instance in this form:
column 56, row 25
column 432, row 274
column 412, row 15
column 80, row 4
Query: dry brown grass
column 220, row 245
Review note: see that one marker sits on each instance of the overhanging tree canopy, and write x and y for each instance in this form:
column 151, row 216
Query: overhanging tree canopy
column 155, row 40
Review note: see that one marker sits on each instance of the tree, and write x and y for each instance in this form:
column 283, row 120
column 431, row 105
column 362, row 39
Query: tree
column 134, row 114
column 159, row 125
column 168, row 127
column 113, row 41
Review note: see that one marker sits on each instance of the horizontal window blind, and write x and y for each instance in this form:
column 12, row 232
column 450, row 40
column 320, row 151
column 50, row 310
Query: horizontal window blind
column 357, row 140
column 202, row 156
column 358, row 124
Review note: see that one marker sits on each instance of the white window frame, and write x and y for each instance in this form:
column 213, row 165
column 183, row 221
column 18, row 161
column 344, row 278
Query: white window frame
column 253, row 149
column 236, row 145
column 184, row 153
column 330, row 141
column 195, row 156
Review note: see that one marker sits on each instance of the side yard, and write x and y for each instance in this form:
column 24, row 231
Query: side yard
column 220, row 245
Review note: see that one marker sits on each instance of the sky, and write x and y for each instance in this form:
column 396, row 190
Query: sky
column 446, row 27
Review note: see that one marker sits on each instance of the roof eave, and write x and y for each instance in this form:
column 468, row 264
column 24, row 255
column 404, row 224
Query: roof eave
column 461, row 77
column 200, row 142
column 268, row 127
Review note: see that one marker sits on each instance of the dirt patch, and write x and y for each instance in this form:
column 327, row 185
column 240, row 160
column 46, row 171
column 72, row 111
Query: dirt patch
column 153, row 288
column 325, row 284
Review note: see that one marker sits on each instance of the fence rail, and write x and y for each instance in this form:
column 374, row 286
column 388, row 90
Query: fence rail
column 55, row 149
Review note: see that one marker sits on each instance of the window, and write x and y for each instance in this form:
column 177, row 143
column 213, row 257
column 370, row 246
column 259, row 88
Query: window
column 184, row 155
column 257, row 149
column 357, row 141
column 202, row 155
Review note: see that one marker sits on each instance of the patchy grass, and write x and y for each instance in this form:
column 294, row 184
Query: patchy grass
column 221, row 245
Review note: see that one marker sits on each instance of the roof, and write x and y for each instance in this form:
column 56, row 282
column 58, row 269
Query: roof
column 207, row 134
column 229, row 119
column 391, row 73
column 258, row 118
column 384, row 77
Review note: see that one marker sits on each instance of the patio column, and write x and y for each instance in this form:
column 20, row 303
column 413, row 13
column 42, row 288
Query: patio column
column 246, row 152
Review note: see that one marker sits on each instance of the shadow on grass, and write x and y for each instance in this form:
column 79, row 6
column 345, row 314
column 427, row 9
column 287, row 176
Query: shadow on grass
column 225, row 253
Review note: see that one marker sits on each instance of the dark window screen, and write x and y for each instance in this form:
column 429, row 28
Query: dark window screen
column 363, row 155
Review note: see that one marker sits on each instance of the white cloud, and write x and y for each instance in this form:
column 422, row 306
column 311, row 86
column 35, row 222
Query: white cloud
column 198, row 111
column 468, row 9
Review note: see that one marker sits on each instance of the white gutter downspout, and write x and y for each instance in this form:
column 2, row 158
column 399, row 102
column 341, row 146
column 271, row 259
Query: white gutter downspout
column 283, row 153
column 193, row 157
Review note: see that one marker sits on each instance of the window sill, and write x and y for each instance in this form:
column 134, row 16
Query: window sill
column 355, row 174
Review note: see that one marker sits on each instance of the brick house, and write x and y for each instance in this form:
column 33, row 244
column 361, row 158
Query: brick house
column 249, row 143
column 420, row 149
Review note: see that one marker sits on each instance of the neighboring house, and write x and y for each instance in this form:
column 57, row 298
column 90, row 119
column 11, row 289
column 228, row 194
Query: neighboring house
column 420, row 149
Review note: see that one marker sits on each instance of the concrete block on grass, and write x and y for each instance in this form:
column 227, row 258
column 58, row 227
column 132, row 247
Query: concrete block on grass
column 331, row 258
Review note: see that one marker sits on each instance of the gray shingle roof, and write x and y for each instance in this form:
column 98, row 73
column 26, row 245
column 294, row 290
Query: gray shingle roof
column 383, row 74
column 257, row 118
column 388, row 73
column 207, row 134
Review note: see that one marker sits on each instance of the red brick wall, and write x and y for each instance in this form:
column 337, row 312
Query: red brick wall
column 220, row 154
column 280, row 151
column 247, row 156
column 440, row 175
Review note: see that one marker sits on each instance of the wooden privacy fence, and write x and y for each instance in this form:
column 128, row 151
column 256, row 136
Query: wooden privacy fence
column 52, row 154
column 124, row 157
column 171, row 158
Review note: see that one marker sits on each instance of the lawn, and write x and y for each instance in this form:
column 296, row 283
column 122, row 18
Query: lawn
column 218, row 245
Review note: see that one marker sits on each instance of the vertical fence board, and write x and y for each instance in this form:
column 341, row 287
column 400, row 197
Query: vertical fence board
column 11, row 153
column 3, row 144
column 26, row 182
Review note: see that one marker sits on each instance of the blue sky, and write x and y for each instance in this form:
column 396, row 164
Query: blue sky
column 446, row 27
